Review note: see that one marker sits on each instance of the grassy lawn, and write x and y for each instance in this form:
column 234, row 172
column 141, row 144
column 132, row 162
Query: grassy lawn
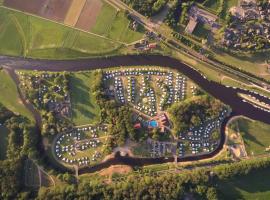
column 212, row 4
column 255, row 185
column 91, row 44
column 104, row 20
column 118, row 28
column 84, row 106
column 3, row 142
column 202, row 30
column 256, row 135
column 10, row 99
column 42, row 37
column 249, row 63
column 141, row 150
column 10, row 37
column 114, row 24
column 22, row 34
column 53, row 53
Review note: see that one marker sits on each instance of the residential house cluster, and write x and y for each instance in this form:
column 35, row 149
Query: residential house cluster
column 250, row 27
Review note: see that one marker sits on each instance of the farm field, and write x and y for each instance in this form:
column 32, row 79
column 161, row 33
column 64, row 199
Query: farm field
column 252, row 186
column 84, row 106
column 53, row 9
column 31, row 36
column 104, row 20
column 88, row 14
column 9, row 30
column 255, row 135
column 11, row 99
column 3, row 142
column 74, row 12
column 115, row 25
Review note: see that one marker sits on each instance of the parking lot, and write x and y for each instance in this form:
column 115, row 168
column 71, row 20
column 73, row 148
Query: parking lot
column 149, row 91
column 81, row 146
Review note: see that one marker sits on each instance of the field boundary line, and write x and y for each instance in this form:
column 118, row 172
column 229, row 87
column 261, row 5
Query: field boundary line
column 80, row 30
column 78, row 16
column 20, row 31
column 107, row 32
column 113, row 5
column 124, row 32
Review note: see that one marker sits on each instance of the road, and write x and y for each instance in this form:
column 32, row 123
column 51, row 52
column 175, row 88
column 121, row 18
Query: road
column 153, row 26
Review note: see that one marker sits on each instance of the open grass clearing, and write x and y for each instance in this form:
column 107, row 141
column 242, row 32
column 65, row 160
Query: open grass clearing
column 249, row 62
column 202, row 30
column 9, row 96
column 115, row 25
column 256, row 135
column 104, row 20
column 84, row 106
column 212, row 4
column 3, row 142
column 255, row 185
column 11, row 40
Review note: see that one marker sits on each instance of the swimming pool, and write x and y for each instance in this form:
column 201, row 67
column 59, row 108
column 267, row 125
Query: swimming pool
column 153, row 124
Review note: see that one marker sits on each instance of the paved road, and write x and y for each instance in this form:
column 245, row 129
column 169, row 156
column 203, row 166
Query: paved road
column 153, row 26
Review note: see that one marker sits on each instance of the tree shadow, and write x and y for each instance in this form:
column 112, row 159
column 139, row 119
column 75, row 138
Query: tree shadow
column 253, row 183
column 244, row 128
column 81, row 98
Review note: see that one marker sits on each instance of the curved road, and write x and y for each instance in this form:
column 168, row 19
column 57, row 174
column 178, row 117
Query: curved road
column 225, row 94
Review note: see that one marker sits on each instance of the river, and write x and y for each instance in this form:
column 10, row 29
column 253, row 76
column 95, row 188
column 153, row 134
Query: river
column 227, row 95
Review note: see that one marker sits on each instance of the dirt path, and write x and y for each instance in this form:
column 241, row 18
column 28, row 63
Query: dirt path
column 241, row 146
column 40, row 170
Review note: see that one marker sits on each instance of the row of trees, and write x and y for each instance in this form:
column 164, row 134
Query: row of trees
column 196, row 184
column 147, row 8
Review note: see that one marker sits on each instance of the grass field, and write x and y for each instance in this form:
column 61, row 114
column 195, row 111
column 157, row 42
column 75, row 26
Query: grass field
column 104, row 20
column 9, row 96
column 115, row 25
column 27, row 35
column 202, row 30
column 84, row 106
column 252, row 63
column 11, row 42
column 3, row 142
column 256, row 135
column 255, row 185
column 212, row 4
